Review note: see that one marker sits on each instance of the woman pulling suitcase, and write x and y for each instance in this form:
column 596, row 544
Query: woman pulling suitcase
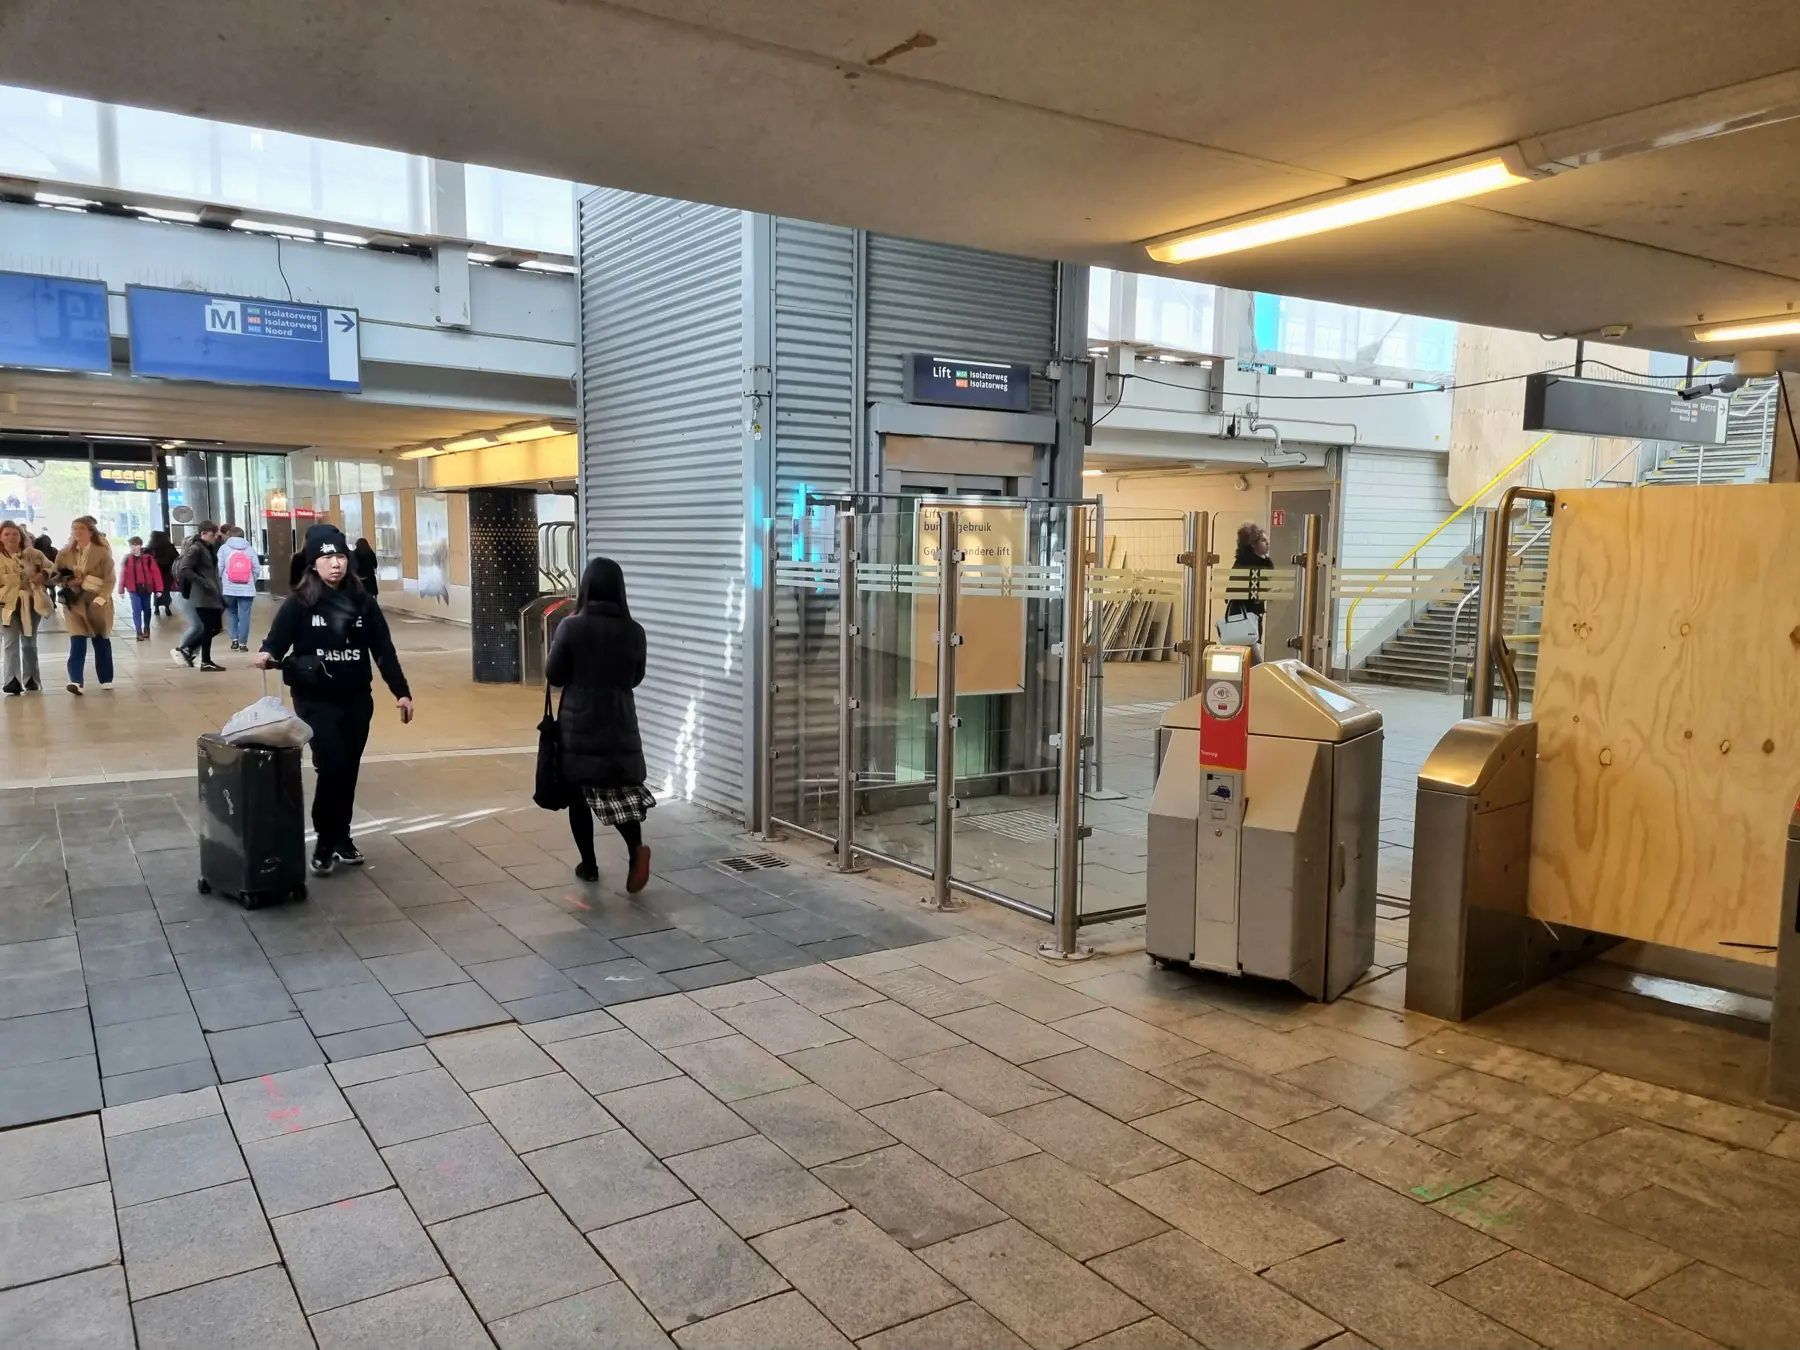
column 324, row 635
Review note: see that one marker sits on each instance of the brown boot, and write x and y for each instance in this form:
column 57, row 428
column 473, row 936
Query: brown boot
column 640, row 870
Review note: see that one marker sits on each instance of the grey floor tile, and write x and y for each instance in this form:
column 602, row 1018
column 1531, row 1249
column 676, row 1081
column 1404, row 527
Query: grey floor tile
column 672, row 1020
column 475, row 944
column 518, row 1256
column 982, row 1079
column 126, row 962
column 1371, row 1298
column 371, row 1041
column 404, row 972
column 811, row 1126
column 670, row 949
column 605, row 1179
column 782, row 1026
column 1089, row 1139
column 148, row 1083
column 1115, row 1087
column 434, row 1314
column 566, row 950
column 762, row 953
column 355, row 1249
column 386, row 938
column 623, row 981
column 43, row 1037
column 188, row 1155
column 607, row 1318
column 306, row 971
column 706, row 977
column 44, row 1236
column 1064, row 1206
column 488, row 1058
column 1025, row 991
column 253, row 1311
column 742, row 990
column 1554, row 1308
column 1139, row 1044
column 135, row 1000
column 785, row 1322
column 568, row 1026
column 675, row 1115
column 894, row 1029
column 544, row 1007
column 232, row 1006
column 754, row 1186
column 1153, row 1333
column 152, row 1043
column 862, row 1279
column 1717, row 1236
column 1200, row 1292
column 452, row 1007
column 732, row 1068
column 956, row 1137
column 51, row 1157
column 458, row 1172
column 193, row 1238
column 909, row 1199
column 396, row 1110
column 148, row 1114
column 858, row 1075
column 347, row 1007
column 1236, row 1222
column 282, row 1103
column 538, row 1112
column 384, row 1064
column 962, row 1326
column 1725, row 1308
column 314, row 1167
column 1412, row 1236
column 88, row 1311
column 1011, row 1035
column 685, row 1265
column 267, row 1048
column 215, row 969
column 519, row 977
column 1248, row 1154
column 610, row 1061
column 924, row 991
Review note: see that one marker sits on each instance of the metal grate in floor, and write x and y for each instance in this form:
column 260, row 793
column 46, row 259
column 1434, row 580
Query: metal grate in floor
column 1028, row 827
column 750, row 862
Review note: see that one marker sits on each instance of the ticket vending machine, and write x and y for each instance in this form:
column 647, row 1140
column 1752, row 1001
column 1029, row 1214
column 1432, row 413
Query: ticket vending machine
column 1263, row 831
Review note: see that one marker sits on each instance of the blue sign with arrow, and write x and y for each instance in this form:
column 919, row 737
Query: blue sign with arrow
column 227, row 339
column 53, row 323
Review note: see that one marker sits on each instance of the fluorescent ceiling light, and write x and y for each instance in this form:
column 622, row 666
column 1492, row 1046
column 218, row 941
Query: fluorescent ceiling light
column 480, row 441
column 1093, row 473
column 422, row 452
column 1375, row 200
column 532, row 432
column 1749, row 330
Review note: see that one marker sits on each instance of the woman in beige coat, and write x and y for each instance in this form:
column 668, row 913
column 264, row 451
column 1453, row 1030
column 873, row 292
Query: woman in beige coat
column 24, row 601
column 86, row 578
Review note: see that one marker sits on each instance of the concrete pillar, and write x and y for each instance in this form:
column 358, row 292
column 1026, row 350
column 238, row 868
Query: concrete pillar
column 503, row 573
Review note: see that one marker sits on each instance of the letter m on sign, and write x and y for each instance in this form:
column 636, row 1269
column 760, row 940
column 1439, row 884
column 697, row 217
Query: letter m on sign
column 222, row 316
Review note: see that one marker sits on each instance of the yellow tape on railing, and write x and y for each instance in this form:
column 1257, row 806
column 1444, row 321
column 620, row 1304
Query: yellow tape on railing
column 1449, row 520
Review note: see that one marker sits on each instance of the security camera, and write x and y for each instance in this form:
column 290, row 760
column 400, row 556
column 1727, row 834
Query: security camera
column 1725, row 384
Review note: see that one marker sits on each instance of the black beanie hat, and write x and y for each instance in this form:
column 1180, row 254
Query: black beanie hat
column 323, row 540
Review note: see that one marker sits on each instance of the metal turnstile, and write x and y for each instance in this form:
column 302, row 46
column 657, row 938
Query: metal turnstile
column 538, row 619
column 1267, row 869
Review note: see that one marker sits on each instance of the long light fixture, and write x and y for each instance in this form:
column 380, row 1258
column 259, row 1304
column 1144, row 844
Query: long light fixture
column 532, row 431
column 422, row 452
column 1377, row 199
column 1749, row 330
column 479, row 441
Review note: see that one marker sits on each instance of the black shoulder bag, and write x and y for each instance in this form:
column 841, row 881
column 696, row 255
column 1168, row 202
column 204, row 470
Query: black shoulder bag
column 550, row 791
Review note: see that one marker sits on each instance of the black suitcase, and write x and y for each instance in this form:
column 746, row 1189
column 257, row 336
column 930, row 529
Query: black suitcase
column 252, row 822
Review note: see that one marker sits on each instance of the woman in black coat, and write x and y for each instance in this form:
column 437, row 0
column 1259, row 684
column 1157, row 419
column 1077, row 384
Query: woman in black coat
column 598, row 659
column 365, row 562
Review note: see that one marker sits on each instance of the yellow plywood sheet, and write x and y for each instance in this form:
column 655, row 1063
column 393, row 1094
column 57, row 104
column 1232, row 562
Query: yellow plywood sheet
column 1668, row 704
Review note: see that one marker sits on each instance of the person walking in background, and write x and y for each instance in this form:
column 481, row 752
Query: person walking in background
column 598, row 659
column 24, row 602
column 1252, row 557
column 86, row 579
column 165, row 554
column 324, row 635
column 142, row 580
column 365, row 562
column 237, row 580
column 197, row 573
column 45, row 545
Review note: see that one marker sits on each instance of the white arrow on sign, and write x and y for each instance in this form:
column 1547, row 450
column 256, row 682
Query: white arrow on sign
column 343, row 346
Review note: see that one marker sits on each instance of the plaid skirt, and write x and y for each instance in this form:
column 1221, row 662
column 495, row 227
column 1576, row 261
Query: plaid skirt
column 619, row 805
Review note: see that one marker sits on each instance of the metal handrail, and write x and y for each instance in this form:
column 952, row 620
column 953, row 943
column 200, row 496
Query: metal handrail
column 1493, row 607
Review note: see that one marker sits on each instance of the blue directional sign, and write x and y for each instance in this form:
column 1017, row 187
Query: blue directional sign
column 228, row 339
column 53, row 323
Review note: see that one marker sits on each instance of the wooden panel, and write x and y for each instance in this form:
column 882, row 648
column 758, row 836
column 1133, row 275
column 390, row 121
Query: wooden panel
column 409, row 532
column 459, row 538
column 1668, row 701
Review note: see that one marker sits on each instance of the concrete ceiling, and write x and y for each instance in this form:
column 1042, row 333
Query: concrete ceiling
column 1046, row 127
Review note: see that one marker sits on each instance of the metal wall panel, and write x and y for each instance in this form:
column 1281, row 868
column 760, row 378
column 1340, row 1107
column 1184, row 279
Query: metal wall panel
column 663, row 473
column 957, row 302
column 1391, row 500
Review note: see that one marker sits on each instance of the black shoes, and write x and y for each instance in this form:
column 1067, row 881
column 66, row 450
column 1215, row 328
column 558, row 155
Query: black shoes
column 31, row 686
column 211, row 665
column 322, row 861
column 12, row 689
column 586, row 872
column 181, row 656
column 348, row 854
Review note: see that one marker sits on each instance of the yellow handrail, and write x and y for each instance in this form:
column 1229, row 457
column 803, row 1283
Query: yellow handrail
column 1448, row 521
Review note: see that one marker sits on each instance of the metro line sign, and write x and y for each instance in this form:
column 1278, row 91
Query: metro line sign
column 190, row 335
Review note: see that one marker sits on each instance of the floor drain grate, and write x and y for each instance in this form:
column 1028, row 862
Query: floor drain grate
column 751, row 862
column 1030, row 827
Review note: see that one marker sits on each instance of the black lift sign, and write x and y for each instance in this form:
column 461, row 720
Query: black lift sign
column 967, row 384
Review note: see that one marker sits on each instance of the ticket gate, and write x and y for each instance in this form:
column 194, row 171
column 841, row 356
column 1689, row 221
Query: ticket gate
column 1263, row 831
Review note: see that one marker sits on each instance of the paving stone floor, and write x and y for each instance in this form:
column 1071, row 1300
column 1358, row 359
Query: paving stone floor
column 453, row 1101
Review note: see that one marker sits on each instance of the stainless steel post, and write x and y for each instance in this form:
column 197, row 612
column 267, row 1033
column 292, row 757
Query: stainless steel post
column 1493, row 605
column 764, row 747
column 1069, row 831
column 1097, row 764
column 848, row 631
column 1197, row 576
column 943, row 819
column 1493, row 577
column 1308, row 641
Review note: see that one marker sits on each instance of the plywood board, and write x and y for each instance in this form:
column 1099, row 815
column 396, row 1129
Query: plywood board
column 1668, row 704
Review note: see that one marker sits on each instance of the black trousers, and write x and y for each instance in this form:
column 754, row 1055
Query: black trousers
column 340, row 730
column 212, row 622
column 581, row 826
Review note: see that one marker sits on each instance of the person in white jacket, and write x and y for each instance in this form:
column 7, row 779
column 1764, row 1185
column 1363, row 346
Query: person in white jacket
column 238, row 571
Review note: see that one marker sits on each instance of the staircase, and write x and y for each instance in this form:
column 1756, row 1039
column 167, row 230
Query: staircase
column 1749, row 426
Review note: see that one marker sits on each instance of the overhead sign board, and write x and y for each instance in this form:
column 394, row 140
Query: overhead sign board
column 53, row 323
column 957, row 383
column 1644, row 412
column 191, row 335
column 126, row 477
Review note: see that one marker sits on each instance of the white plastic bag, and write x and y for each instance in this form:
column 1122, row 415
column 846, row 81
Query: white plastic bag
column 268, row 721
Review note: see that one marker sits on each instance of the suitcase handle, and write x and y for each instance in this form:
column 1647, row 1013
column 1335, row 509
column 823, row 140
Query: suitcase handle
column 280, row 688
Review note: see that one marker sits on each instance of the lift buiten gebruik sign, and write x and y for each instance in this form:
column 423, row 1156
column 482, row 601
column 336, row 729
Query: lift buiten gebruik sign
column 956, row 383
column 226, row 339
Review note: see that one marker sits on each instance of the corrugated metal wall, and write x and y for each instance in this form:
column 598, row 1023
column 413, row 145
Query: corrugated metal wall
column 957, row 302
column 1391, row 500
column 662, row 356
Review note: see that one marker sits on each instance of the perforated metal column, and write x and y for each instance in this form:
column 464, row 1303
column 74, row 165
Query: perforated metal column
column 503, row 573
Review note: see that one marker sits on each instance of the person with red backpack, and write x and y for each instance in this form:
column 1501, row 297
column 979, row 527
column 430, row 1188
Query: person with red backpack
column 142, row 580
column 237, row 581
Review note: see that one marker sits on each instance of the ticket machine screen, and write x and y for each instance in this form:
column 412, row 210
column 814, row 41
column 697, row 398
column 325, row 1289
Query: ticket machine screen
column 1226, row 663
